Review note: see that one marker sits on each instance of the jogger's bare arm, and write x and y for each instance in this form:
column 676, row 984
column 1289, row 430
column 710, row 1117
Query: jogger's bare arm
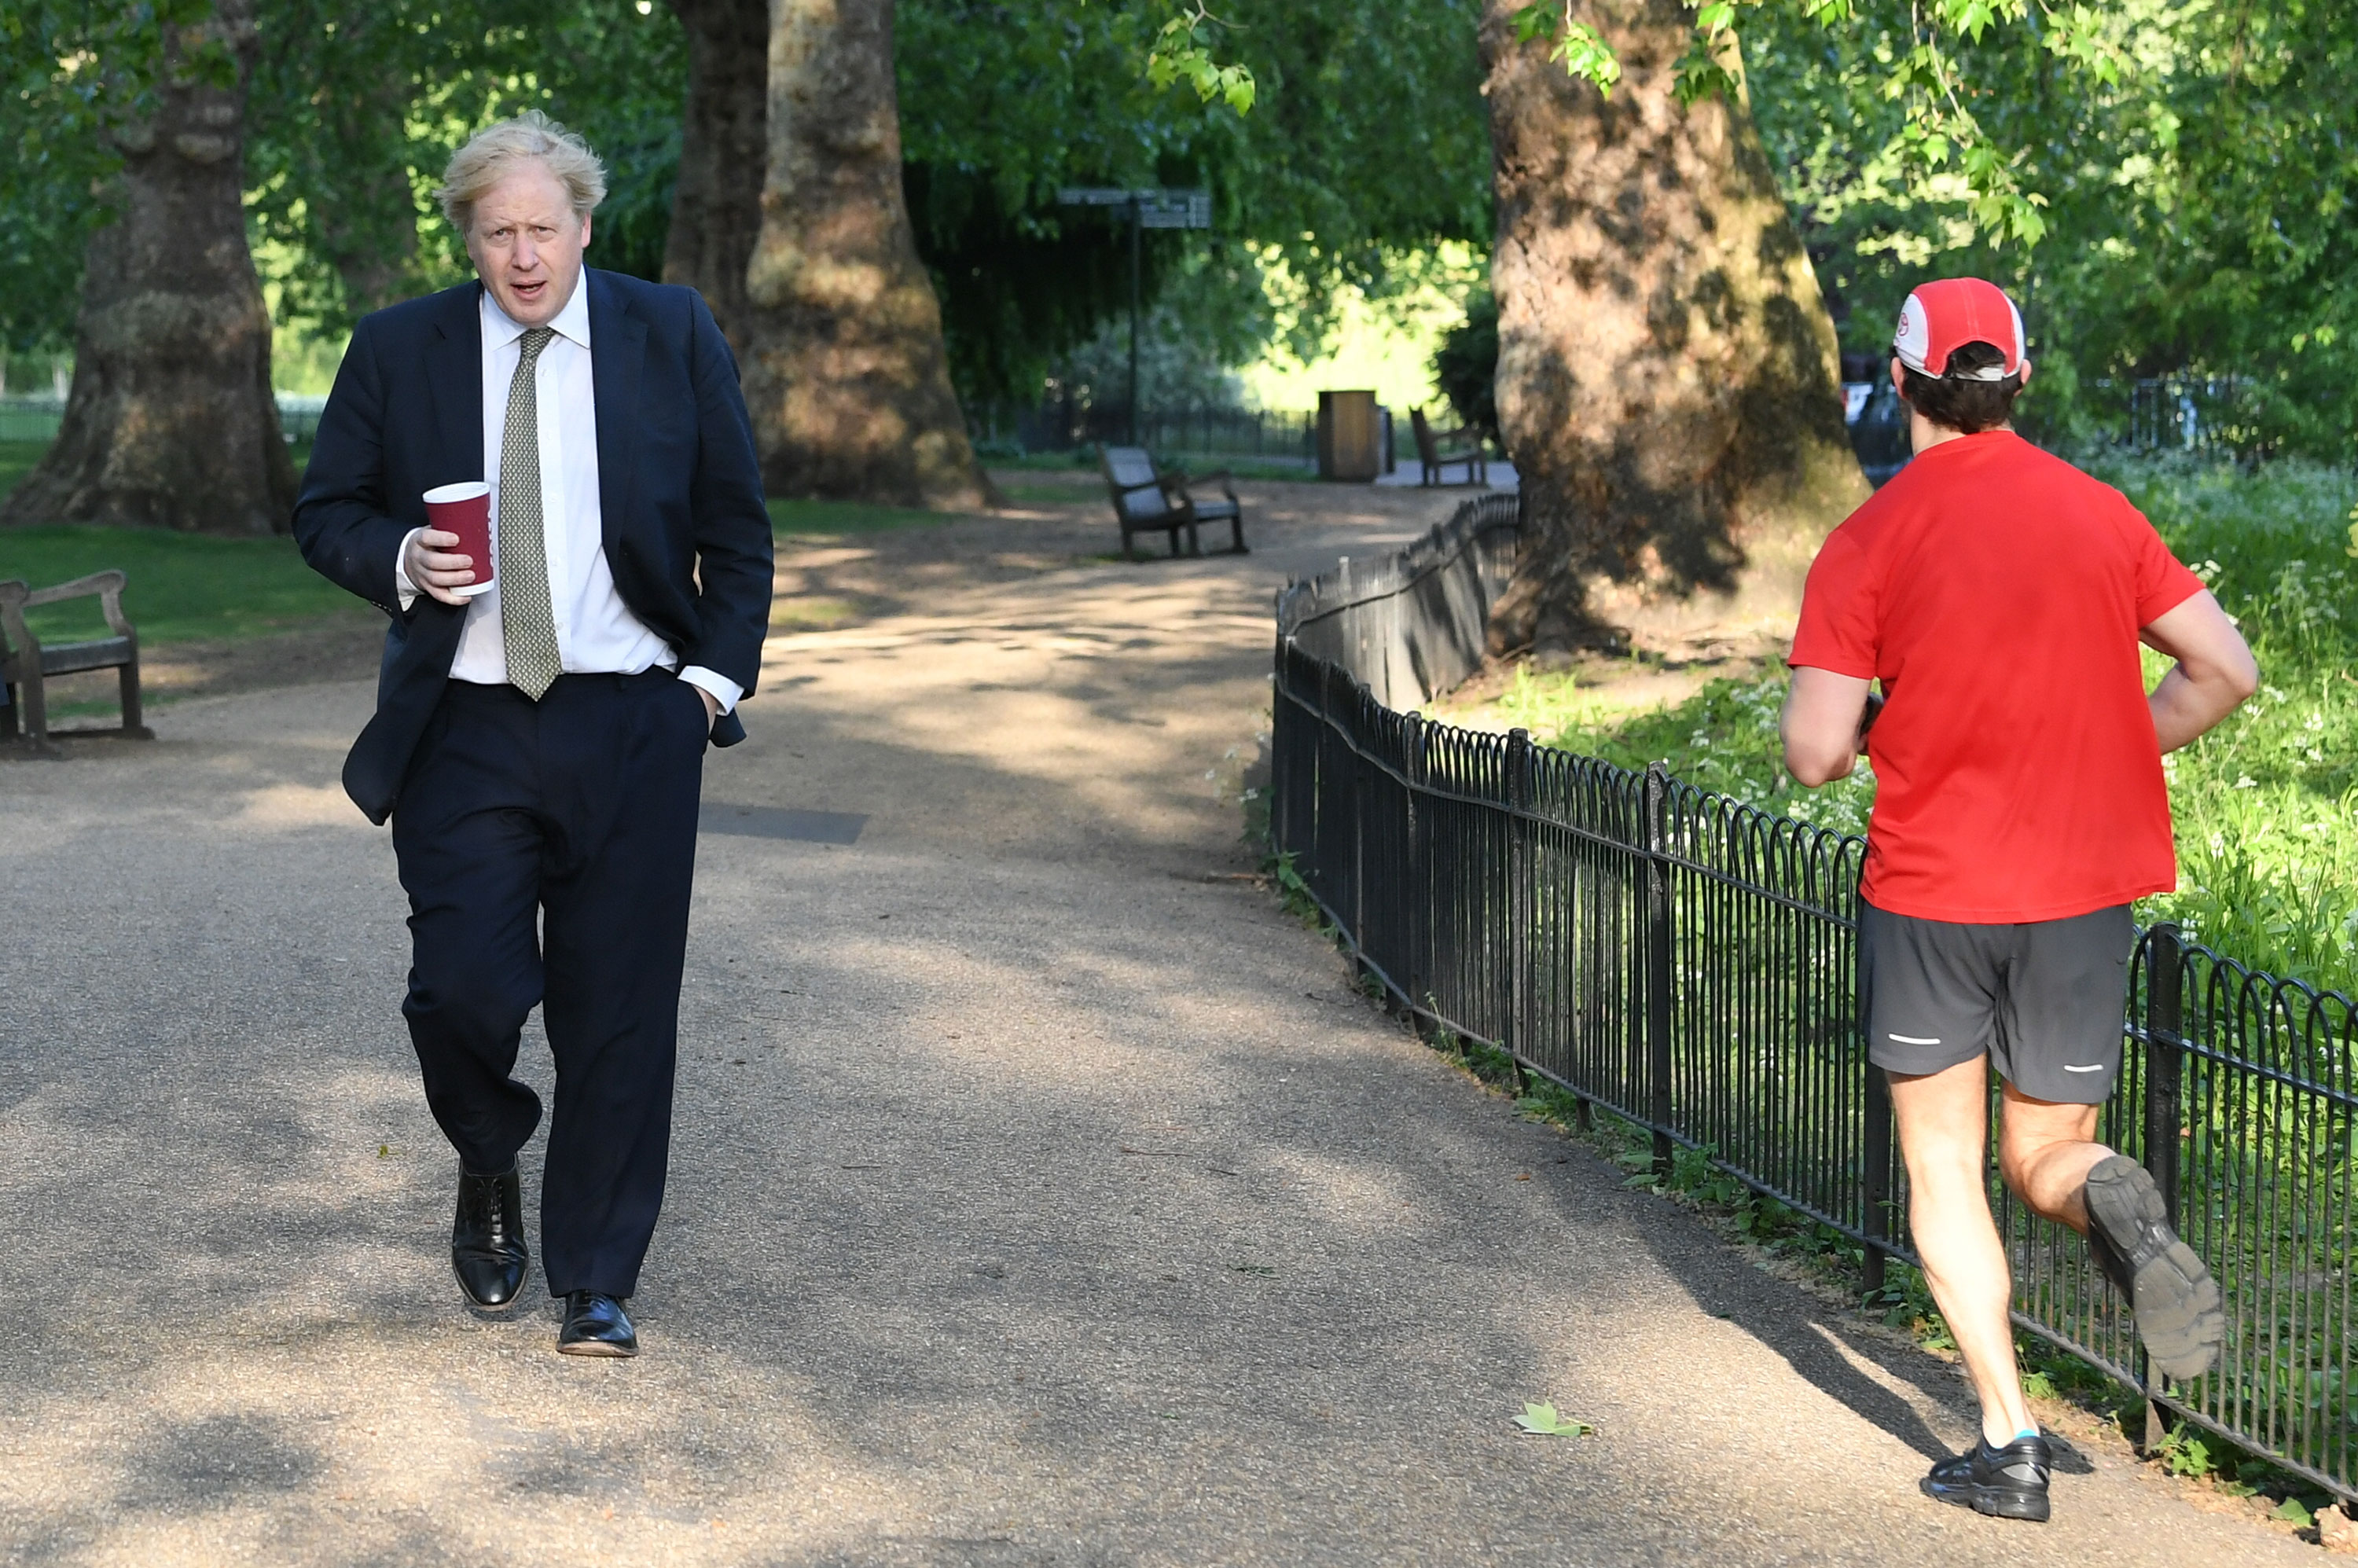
column 2215, row 673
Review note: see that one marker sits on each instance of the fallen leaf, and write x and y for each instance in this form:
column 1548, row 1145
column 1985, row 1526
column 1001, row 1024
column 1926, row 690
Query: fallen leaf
column 1543, row 1421
column 2292, row 1512
column 1524, row 1178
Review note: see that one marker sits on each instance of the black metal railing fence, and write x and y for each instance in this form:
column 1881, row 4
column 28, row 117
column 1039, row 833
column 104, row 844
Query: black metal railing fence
column 1688, row 962
column 1066, row 424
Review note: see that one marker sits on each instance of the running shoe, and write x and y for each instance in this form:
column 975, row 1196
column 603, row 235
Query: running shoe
column 2006, row 1483
column 2175, row 1299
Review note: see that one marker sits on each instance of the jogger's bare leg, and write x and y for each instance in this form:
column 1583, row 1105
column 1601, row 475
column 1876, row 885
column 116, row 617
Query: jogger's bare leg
column 1944, row 1124
column 2047, row 1149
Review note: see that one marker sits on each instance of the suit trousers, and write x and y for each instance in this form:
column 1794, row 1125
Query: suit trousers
column 548, row 849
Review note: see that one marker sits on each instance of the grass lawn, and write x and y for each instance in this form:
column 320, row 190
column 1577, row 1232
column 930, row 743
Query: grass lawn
column 794, row 517
column 2265, row 807
column 182, row 585
column 16, row 459
column 1036, row 495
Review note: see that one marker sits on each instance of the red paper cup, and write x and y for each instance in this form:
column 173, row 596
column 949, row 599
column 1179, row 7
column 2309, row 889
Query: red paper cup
column 465, row 510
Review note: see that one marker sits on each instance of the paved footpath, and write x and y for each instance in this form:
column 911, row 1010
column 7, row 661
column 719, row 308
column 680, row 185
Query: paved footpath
column 1038, row 1196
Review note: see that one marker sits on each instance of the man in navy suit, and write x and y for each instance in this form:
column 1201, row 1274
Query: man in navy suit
column 538, row 746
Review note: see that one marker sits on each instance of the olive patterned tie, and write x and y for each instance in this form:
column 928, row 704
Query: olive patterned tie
column 528, row 626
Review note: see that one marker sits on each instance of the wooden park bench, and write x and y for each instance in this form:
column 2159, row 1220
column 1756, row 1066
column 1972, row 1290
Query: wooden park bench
column 26, row 665
column 1146, row 500
column 1430, row 452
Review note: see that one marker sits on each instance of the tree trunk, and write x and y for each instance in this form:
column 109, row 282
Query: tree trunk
column 1668, row 380
column 715, row 207
column 847, row 380
column 171, row 422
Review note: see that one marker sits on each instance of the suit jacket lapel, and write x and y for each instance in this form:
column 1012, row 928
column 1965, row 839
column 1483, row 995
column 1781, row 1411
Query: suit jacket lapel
column 618, row 350
column 455, row 373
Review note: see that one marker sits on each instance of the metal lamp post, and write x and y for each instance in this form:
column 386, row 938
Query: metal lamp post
column 1158, row 208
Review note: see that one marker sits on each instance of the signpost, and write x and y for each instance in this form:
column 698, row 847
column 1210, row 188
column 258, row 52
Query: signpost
column 1160, row 208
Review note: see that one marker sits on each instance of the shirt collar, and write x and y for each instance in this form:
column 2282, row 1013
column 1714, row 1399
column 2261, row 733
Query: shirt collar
column 572, row 323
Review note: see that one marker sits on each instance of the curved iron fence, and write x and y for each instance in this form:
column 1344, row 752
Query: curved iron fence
column 1689, row 963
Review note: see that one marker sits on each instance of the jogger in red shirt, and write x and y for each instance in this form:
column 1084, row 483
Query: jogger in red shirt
column 1999, row 595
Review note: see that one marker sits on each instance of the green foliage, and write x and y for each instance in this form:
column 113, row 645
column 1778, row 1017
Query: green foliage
column 2265, row 807
column 2193, row 1454
column 1725, row 737
column 1293, row 892
column 16, row 460
column 2195, row 179
column 1181, row 52
column 352, row 112
column 2183, row 1452
column 1001, row 108
column 1570, row 41
column 73, row 73
column 1937, row 133
column 1378, row 152
column 1466, row 366
column 1368, row 148
column 355, row 110
column 181, row 587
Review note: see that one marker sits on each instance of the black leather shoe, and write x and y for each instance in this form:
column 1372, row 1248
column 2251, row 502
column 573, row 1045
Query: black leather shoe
column 596, row 1325
column 487, row 1249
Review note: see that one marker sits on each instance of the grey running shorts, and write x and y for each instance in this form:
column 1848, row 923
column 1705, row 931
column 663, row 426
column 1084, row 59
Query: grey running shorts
column 2043, row 998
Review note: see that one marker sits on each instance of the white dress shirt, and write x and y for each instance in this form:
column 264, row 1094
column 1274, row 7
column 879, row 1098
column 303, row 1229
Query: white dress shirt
column 596, row 633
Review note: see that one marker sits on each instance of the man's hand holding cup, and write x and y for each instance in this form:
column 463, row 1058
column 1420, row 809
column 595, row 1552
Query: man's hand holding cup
column 431, row 565
column 450, row 557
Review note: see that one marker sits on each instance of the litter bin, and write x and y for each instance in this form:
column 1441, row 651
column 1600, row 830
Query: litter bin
column 1350, row 437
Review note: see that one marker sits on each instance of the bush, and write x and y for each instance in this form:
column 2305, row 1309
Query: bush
column 1466, row 366
column 2267, row 805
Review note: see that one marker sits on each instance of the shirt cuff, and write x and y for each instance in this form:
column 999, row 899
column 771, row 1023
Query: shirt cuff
column 724, row 691
column 408, row 590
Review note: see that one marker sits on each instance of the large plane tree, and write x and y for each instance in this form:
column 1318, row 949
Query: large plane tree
column 171, row 421
column 1668, row 377
column 846, row 372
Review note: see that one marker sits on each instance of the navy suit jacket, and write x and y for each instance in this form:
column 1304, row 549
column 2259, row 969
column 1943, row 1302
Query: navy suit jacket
column 679, row 489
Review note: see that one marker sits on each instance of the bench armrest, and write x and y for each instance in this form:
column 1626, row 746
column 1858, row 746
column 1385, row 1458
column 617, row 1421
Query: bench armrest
column 1226, row 480
column 16, row 640
column 106, row 586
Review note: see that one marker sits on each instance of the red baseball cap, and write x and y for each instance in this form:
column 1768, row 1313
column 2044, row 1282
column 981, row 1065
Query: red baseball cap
column 1941, row 318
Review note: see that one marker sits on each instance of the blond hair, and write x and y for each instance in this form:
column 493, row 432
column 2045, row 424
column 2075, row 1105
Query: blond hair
column 488, row 154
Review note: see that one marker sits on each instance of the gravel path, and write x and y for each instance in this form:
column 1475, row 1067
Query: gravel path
column 1041, row 1195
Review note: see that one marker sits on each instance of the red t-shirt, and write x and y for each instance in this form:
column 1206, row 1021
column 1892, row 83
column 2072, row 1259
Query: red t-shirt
column 1996, row 592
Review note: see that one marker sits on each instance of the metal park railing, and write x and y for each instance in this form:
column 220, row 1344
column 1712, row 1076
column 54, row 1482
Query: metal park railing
column 1065, row 423
column 1689, row 963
